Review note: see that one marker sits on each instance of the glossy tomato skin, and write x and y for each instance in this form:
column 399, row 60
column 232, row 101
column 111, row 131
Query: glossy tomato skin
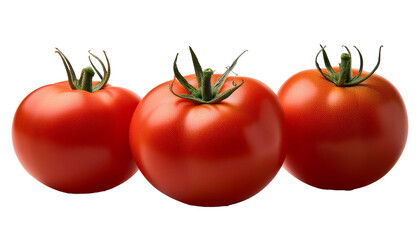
column 209, row 154
column 75, row 141
column 342, row 138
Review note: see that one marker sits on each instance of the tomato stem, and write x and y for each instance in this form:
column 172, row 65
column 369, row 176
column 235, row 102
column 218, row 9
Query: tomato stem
column 206, row 93
column 85, row 81
column 344, row 76
column 345, row 73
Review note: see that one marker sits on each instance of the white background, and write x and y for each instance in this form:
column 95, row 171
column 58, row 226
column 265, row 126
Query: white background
column 141, row 39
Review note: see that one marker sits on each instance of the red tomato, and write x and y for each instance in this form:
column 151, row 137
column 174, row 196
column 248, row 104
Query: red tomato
column 76, row 141
column 209, row 154
column 342, row 137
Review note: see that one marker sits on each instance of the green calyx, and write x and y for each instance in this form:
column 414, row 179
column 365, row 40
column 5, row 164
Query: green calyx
column 344, row 77
column 85, row 82
column 205, row 93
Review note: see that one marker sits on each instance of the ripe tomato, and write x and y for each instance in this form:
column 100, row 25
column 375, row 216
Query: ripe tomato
column 73, row 140
column 209, row 154
column 342, row 137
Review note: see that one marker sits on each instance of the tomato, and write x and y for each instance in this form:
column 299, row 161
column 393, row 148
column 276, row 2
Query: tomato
column 342, row 137
column 209, row 154
column 74, row 140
